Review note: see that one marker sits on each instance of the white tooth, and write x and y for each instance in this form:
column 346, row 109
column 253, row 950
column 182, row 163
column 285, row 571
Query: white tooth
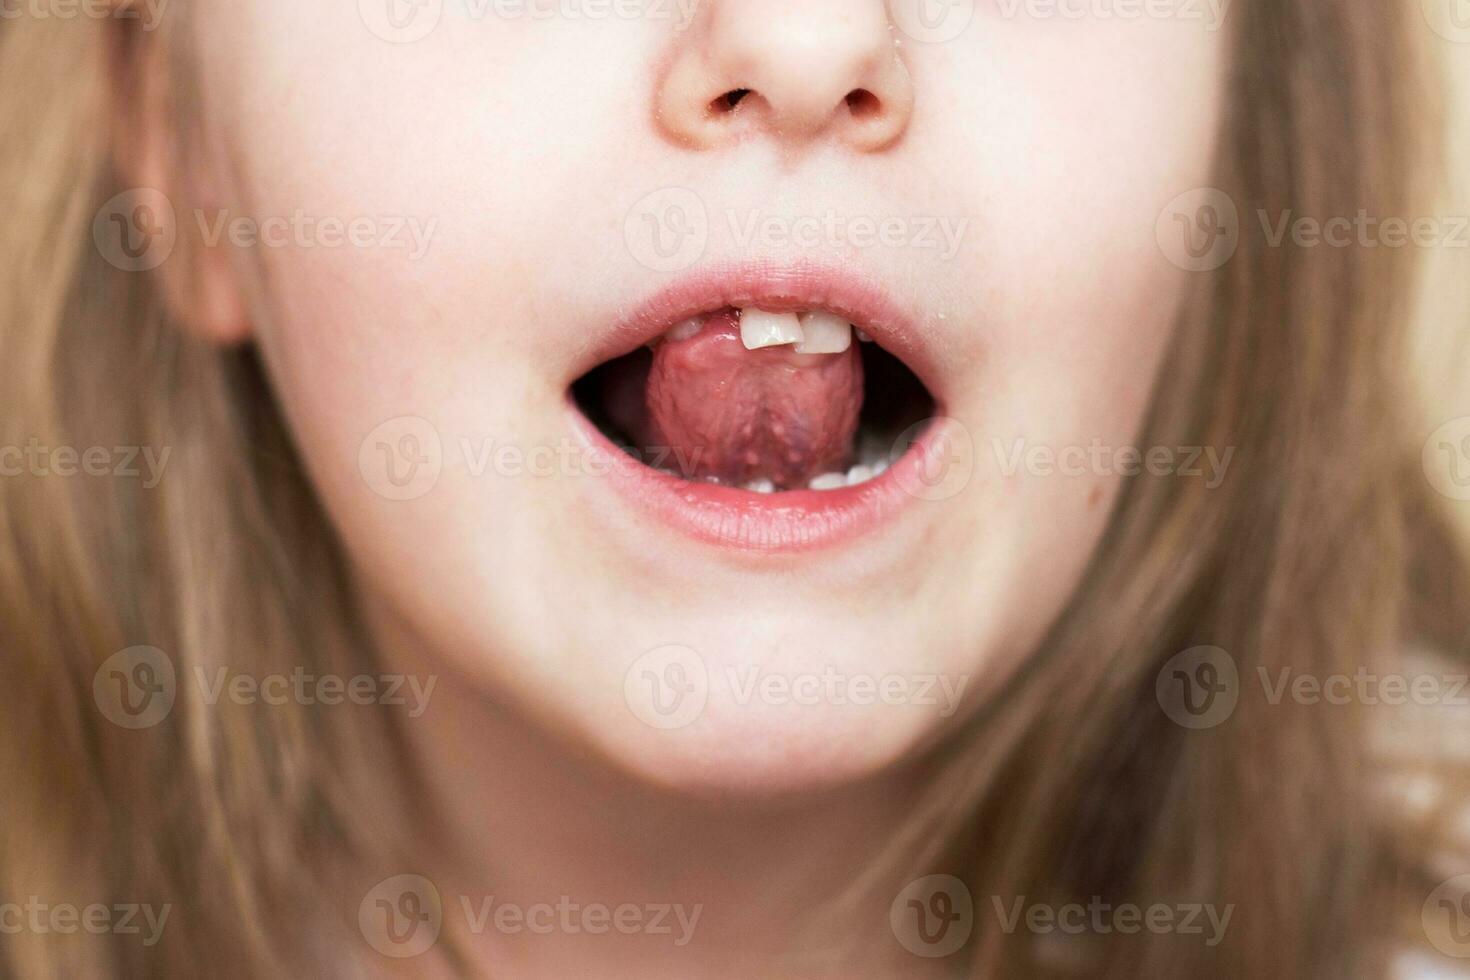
column 859, row 474
column 863, row 337
column 824, row 333
column 761, row 329
column 761, row 486
column 829, row 481
column 686, row 329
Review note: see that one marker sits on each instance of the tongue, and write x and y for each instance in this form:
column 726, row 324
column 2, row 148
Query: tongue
column 740, row 415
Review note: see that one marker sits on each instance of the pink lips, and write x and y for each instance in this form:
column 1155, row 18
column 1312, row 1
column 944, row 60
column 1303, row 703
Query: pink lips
column 742, row 520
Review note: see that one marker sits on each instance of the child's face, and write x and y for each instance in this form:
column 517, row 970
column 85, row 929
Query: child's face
column 987, row 210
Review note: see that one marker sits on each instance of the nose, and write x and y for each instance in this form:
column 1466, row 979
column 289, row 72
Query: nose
column 797, row 70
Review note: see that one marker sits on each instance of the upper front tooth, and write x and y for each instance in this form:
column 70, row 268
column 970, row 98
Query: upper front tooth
column 761, row 329
column 824, row 333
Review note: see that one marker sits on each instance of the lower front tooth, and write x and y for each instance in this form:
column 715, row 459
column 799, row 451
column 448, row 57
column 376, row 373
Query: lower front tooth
column 829, row 481
column 761, row 329
column 859, row 474
column 761, row 486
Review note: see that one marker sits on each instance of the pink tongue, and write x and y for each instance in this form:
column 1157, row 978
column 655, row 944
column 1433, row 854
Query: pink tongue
column 739, row 415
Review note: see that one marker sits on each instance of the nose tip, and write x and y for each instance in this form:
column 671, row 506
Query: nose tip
column 797, row 70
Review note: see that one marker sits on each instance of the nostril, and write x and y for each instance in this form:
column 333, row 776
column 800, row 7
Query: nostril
column 728, row 101
column 863, row 104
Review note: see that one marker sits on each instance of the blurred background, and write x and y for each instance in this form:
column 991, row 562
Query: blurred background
column 1444, row 309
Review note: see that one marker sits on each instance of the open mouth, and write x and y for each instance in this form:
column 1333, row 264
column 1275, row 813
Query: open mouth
column 768, row 401
column 764, row 408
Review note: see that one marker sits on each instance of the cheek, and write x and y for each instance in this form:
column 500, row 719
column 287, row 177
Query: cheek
column 1084, row 134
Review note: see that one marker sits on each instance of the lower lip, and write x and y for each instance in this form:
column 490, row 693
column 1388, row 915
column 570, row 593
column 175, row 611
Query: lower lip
column 775, row 523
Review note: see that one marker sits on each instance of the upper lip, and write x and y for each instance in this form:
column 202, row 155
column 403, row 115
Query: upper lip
column 778, row 289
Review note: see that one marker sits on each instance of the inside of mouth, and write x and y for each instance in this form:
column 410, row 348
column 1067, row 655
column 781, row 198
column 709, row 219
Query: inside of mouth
column 714, row 400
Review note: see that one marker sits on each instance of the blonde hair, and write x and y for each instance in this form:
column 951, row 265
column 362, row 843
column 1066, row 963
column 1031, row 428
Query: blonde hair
column 1324, row 552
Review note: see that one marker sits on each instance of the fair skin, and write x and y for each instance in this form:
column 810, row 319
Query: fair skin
column 530, row 142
